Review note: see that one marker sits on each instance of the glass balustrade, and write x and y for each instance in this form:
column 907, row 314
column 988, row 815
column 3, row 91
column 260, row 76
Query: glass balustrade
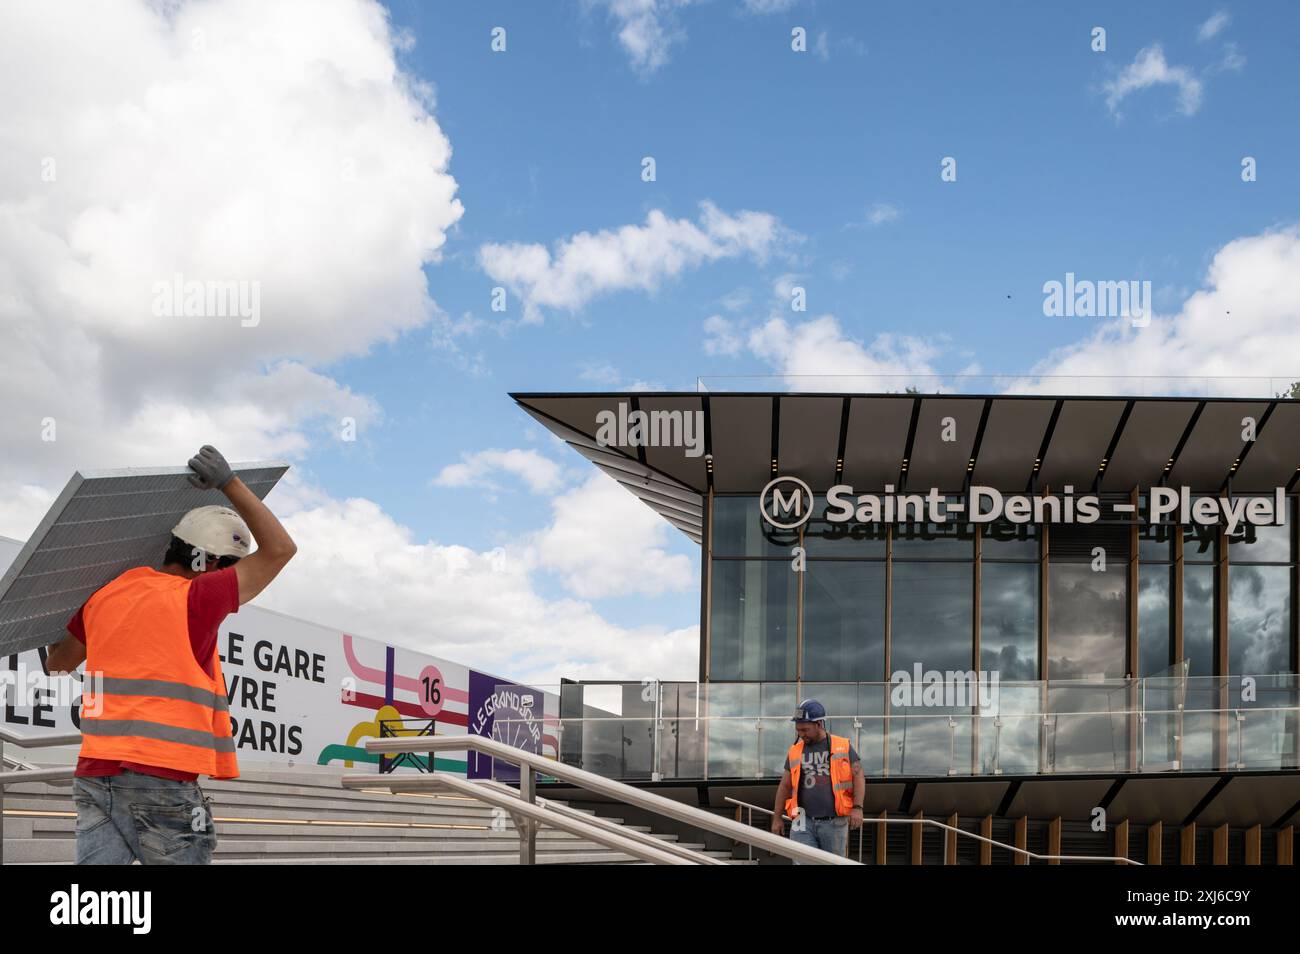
column 687, row 731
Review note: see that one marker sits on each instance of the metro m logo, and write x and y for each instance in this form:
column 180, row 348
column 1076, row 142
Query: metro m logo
column 788, row 508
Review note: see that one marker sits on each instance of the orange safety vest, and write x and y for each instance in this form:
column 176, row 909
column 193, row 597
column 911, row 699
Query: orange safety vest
column 152, row 702
column 841, row 776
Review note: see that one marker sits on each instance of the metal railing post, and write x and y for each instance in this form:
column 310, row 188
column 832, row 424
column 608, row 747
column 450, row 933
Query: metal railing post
column 961, row 831
column 655, row 774
column 527, row 827
column 2, row 803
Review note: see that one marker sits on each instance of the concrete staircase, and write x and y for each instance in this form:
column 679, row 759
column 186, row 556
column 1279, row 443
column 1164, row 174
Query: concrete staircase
column 285, row 816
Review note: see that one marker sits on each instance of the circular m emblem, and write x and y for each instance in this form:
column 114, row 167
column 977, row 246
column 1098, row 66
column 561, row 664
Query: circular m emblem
column 786, row 503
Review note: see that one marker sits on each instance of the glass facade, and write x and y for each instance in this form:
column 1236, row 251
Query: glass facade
column 1260, row 600
column 1009, row 620
column 875, row 599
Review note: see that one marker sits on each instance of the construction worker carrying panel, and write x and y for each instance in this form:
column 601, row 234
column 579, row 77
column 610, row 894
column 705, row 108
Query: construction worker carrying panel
column 155, row 714
column 823, row 788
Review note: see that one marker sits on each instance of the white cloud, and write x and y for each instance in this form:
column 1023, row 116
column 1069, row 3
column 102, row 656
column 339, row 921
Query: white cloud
column 763, row 7
column 1238, row 335
column 735, row 299
column 225, row 141
column 282, row 144
column 633, row 257
column 647, row 30
column 1150, row 69
column 541, row 474
column 824, row 43
column 882, row 213
column 821, row 46
column 783, row 287
column 359, row 570
column 816, row 355
column 21, row 508
column 1211, row 27
column 1245, row 323
column 605, row 542
column 721, row 337
column 611, row 379
column 1233, row 60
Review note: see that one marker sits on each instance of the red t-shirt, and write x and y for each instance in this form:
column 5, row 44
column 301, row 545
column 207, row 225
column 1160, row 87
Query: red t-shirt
column 213, row 596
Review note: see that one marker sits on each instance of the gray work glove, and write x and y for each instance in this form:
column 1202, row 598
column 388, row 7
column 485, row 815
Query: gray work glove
column 210, row 469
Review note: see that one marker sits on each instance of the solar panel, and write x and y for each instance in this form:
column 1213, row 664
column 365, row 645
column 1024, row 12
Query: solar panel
column 104, row 522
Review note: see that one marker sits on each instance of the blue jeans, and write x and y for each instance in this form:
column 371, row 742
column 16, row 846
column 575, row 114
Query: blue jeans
column 828, row 834
column 132, row 816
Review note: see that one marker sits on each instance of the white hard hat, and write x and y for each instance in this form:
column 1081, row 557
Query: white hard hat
column 216, row 530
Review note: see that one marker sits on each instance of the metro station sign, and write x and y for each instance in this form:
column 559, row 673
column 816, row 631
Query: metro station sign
column 788, row 502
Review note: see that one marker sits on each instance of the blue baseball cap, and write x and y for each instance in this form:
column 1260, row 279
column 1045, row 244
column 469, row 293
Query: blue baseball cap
column 810, row 710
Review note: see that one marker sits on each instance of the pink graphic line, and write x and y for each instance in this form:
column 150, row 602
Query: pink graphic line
column 405, row 682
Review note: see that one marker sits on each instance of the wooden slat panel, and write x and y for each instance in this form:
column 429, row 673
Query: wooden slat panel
column 1252, row 844
column 1221, row 844
column 1155, row 844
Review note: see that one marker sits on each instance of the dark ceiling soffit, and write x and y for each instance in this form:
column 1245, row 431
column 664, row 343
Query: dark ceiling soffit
column 843, row 443
column 1182, row 442
column 1208, row 797
column 664, row 505
column 1286, row 816
column 1259, row 432
column 659, row 500
column 672, row 495
column 1008, row 797
column 906, row 462
column 979, row 439
column 1114, row 442
column 585, row 444
column 640, row 450
column 1046, row 443
column 776, row 433
column 1111, row 793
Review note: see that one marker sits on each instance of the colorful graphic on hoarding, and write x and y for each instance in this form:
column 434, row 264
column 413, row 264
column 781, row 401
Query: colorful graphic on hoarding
column 394, row 718
column 299, row 693
column 506, row 712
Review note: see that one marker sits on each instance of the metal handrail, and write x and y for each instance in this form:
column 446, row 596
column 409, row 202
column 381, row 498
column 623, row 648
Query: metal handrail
column 644, row 838
column 14, row 762
column 530, row 762
column 527, row 815
column 960, row 831
column 26, row 773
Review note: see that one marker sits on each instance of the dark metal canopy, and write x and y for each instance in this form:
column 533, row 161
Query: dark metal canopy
column 1015, row 443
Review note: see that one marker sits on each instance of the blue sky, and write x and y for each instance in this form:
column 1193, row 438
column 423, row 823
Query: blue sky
column 549, row 135
column 774, row 168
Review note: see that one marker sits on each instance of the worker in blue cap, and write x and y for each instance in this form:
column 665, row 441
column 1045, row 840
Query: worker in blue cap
column 823, row 788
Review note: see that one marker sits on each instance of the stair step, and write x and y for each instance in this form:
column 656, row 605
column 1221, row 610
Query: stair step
column 284, row 817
